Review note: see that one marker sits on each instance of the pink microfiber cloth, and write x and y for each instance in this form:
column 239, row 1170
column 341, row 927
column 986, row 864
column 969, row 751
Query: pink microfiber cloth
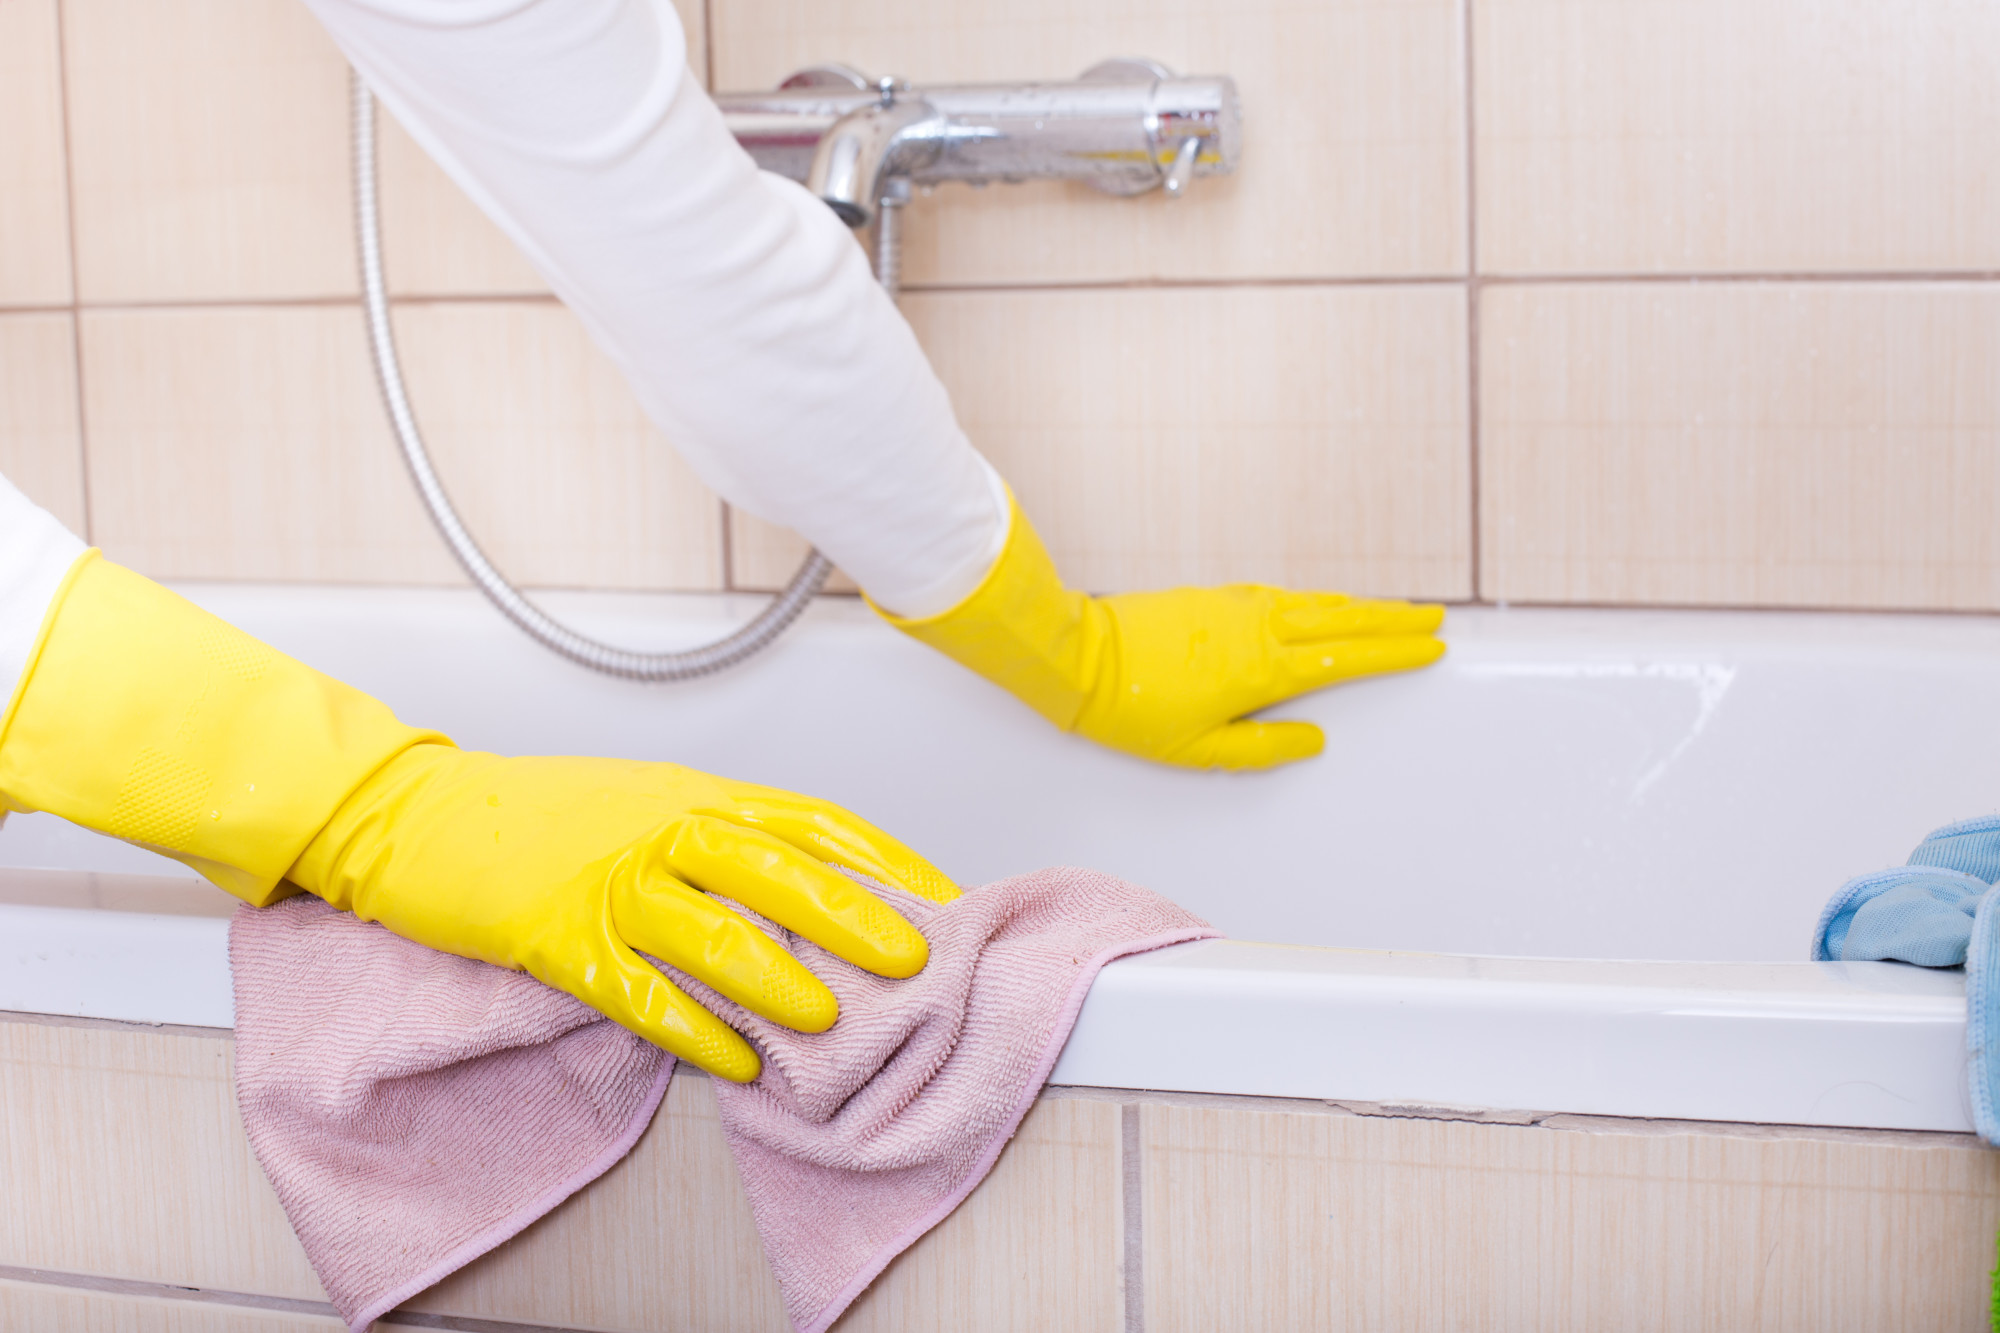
column 414, row 1110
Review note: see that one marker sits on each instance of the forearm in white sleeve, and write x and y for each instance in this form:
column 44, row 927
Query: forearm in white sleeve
column 737, row 305
column 35, row 553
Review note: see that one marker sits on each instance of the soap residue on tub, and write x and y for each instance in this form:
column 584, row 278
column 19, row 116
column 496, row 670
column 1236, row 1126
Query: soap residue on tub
column 1709, row 680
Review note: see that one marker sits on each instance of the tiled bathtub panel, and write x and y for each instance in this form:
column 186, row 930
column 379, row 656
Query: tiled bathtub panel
column 1036, row 1246
column 124, row 1157
column 664, row 1240
column 34, row 208
column 1353, row 146
column 41, row 447
column 547, row 455
column 1797, row 444
column 1313, row 436
column 32, row 1305
column 435, row 241
column 1736, row 135
column 208, row 150
column 1257, row 1220
column 248, row 443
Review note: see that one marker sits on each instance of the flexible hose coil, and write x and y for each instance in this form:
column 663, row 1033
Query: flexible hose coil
column 608, row 658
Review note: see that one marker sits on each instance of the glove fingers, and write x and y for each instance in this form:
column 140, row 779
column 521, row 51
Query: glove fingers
column 626, row 989
column 1308, row 617
column 777, row 880
column 831, row 834
column 659, row 915
column 1310, row 666
column 1251, row 745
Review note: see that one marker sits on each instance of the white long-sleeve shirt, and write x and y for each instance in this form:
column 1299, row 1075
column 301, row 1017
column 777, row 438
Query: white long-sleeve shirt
column 737, row 305
column 35, row 553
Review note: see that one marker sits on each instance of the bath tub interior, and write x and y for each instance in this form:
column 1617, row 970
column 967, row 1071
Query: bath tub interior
column 1565, row 784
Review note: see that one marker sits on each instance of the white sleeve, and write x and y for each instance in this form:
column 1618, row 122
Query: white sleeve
column 35, row 553
column 737, row 305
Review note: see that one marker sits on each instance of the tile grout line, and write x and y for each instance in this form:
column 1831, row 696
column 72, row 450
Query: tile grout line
column 142, row 1289
column 1982, row 278
column 725, row 534
column 1133, row 1278
column 75, row 288
column 708, row 44
column 728, row 549
column 1474, row 498
column 1744, row 277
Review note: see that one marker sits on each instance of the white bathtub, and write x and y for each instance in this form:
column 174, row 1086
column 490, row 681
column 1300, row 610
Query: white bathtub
column 1571, row 869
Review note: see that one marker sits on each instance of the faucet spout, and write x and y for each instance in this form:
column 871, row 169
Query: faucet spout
column 863, row 149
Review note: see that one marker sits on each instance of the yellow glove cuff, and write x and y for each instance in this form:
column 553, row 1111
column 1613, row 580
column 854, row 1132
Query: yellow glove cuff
column 142, row 716
column 1021, row 629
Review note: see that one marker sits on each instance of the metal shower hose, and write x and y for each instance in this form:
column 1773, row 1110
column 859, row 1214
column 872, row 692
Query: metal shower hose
column 684, row 665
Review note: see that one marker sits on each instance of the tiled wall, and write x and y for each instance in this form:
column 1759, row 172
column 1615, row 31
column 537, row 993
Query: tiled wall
column 134, row 1202
column 1606, row 301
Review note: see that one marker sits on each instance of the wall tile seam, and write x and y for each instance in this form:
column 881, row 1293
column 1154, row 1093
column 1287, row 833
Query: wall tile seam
column 1504, row 603
column 1938, row 278
column 1668, row 277
column 75, row 277
column 1689, row 277
column 23, row 1018
column 118, row 1286
column 1474, row 288
column 100, row 1284
column 1131, row 1179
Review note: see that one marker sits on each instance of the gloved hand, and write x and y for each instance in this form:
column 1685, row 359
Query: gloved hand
column 1168, row 675
column 144, row 717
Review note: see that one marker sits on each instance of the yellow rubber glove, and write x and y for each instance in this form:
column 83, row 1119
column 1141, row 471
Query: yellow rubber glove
column 144, row 717
column 1168, row 675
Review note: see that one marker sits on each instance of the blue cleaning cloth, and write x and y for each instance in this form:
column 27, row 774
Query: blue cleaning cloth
column 1912, row 914
column 1937, row 911
column 1970, row 845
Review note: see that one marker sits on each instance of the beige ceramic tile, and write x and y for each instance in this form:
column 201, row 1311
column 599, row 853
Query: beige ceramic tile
column 1713, row 135
column 1314, row 1221
column 1742, row 444
column 1312, row 436
column 763, row 556
column 124, row 1157
column 34, row 208
column 251, row 444
column 209, row 147
column 30, row 1305
column 1034, row 1247
column 435, row 241
column 248, row 444
column 1037, row 1246
column 1353, row 129
column 547, row 454
column 41, row 448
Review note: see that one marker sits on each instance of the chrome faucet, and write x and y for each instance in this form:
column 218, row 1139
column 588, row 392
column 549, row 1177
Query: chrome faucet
column 862, row 151
column 1125, row 126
